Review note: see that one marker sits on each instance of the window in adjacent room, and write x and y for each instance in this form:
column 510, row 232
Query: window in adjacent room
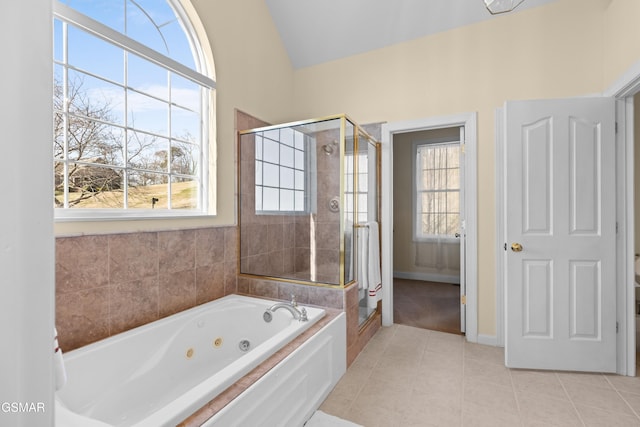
column 437, row 190
column 132, row 102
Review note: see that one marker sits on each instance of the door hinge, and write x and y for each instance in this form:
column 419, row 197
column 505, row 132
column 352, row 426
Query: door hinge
column 462, row 148
column 616, row 127
column 463, row 299
column 617, row 327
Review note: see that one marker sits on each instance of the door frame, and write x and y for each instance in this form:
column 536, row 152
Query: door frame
column 623, row 91
column 469, row 122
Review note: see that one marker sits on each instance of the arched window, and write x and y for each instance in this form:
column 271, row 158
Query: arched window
column 132, row 102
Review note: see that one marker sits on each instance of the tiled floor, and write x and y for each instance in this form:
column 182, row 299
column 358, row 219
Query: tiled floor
column 407, row 376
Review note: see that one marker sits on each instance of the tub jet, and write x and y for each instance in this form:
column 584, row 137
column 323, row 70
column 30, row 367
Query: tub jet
column 244, row 345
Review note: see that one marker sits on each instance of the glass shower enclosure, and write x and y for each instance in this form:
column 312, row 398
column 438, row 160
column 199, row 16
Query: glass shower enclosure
column 305, row 189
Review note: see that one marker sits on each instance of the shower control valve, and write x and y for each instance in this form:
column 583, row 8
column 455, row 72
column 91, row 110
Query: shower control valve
column 334, row 205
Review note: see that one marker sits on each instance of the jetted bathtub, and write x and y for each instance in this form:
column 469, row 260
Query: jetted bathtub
column 161, row 373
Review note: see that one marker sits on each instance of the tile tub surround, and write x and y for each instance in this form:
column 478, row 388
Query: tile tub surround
column 342, row 299
column 107, row 284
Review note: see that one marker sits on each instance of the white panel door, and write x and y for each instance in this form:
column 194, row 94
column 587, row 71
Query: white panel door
column 560, row 249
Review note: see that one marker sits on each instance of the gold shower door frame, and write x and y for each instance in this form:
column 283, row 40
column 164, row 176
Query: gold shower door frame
column 358, row 134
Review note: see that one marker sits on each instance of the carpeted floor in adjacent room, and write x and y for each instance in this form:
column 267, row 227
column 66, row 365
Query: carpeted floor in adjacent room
column 427, row 305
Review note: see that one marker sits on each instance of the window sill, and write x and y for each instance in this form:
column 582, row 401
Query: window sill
column 96, row 224
column 83, row 215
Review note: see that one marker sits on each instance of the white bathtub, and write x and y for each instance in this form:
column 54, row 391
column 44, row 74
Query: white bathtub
column 162, row 372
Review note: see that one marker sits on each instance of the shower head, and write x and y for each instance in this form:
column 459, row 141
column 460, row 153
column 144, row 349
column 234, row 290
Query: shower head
column 329, row 148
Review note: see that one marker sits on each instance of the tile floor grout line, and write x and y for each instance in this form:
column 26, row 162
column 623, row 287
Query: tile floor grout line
column 370, row 371
column 573, row 404
column 515, row 396
column 622, row 397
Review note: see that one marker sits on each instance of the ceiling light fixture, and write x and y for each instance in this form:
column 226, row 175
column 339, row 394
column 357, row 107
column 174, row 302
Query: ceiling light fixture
column 501, row 6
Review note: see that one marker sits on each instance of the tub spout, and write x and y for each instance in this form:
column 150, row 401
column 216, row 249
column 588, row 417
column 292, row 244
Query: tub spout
column 298, row 314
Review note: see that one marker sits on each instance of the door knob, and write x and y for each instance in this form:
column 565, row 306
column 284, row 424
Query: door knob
column 516, row 247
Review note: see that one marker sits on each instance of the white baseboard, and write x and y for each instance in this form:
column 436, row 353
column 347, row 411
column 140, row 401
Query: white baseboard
column 428, row 277
column 491, row 340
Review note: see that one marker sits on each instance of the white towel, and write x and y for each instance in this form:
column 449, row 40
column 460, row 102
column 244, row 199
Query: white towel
column 60, row 373
column 350, row 242
column 373, row 270
column 363, row 257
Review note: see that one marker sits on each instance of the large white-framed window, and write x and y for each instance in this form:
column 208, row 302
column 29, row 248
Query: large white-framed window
column 132, row 110
column 436, row 212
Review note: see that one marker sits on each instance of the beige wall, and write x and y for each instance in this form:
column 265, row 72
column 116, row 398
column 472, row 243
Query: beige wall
column 435, row 261
column 621, row 35
column 567, row 48
column 253, row 74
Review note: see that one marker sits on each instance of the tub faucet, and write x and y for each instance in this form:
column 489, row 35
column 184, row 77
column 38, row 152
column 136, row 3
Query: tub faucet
column 298, row 314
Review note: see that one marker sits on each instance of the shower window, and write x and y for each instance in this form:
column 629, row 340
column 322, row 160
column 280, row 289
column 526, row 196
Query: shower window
column 281, row 171
column 437, row 190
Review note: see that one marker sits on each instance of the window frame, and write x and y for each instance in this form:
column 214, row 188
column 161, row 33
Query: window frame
column 97, row 29
column 306, row 171
column 353, row 161
column 419, row 237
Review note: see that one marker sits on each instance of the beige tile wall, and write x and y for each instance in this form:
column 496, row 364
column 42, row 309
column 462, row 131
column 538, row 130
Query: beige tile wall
column 279, row 245
column 107, row 284
column 268, row 241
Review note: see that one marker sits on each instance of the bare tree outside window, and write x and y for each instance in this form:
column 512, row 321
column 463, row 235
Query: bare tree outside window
column 437, row 190
column 90, row 143
column 96, row 156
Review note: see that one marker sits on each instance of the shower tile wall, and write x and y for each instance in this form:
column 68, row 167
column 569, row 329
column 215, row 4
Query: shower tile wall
column 272, row 245
column 327, row 222
column 285, row 245
column 107, row 284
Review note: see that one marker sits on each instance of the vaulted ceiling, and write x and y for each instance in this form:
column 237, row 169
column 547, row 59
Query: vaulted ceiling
column 317, row 31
